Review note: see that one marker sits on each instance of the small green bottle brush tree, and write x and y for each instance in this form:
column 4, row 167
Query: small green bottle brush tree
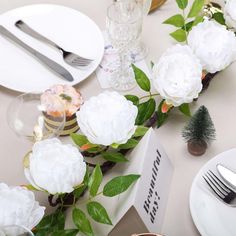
column 199, row 132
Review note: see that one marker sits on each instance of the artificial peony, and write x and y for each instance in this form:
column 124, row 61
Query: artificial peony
column 213, row 44
column 55, row 167
column 230, row 13
column 177, row 75
column 107, row 119
column 18, row 208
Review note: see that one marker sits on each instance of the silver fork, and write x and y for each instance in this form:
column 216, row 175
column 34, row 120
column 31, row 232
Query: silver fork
column 69, row 57
column 221, row 190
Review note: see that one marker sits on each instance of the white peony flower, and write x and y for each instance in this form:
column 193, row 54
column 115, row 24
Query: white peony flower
column 18, row 208
column 107, row 118
column 177, row 75
column 213, row 44
column 230, row 13
column 55, row 167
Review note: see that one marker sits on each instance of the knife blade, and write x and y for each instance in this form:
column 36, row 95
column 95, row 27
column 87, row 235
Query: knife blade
column 227, row 175
column 54, row 66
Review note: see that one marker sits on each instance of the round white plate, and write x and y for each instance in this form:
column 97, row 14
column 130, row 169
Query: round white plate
column 69, row 28
column 210, row 215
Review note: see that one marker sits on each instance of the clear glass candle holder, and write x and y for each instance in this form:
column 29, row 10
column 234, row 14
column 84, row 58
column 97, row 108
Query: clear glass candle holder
column 26, row 116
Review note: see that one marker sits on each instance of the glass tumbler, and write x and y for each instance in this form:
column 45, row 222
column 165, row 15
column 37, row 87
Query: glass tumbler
column 124, row 24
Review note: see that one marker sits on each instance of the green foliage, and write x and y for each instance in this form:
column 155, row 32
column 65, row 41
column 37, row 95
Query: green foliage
column 176, row 20
column 95, row 181
column 200, row 127
column 131, row 143
column 196, row 8
column 185, row 23
column 140, row 131
column 114, row 157
column 184, row 108
column 134, row 99
column 219, row 17
column 145, row 111
column 82, row 222
column 78, row 191
column 182, row 4
column 79, row 139
column 98, row 213
column 119, row 185
column 52, row 224
column 65, row 232
column 141, row 79
column 179, row 35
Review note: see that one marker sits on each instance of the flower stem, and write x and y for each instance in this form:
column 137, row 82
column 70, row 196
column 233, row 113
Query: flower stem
column 185, row 29
column 149, row 96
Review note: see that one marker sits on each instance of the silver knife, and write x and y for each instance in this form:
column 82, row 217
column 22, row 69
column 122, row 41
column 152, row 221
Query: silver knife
column 227, row 175
column 61, row 71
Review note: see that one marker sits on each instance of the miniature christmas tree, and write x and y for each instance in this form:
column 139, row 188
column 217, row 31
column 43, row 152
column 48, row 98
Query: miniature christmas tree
column 199, row 132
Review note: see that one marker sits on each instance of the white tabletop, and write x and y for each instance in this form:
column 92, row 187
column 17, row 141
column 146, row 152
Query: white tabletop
column 219, row 99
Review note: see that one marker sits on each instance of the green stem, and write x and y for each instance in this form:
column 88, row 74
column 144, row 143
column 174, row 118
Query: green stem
column 185, row 29
column 150, row 95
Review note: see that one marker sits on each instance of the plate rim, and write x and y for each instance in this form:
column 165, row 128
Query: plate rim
column 193, row 215
column 99, row 59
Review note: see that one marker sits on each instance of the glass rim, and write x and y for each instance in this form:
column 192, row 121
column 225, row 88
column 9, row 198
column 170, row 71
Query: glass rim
column 123, row 23
column 20, row 97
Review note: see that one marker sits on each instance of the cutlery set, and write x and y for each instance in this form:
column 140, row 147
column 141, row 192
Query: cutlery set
column 70, row 58
column 225, row 189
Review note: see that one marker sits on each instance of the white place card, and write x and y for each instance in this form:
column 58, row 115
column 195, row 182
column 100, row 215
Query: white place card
column 142, row 207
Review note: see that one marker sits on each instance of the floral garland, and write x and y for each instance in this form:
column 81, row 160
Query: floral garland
column 112, row 125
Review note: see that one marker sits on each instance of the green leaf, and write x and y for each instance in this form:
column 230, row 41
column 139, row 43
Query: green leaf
column 65, row 232
column 182, row 4
column 134, row 99
column 142, row 79
column 78, row 191
column 198, row 20
column 161, row 117
column 145, row 111
column 114, row 157
column 31, row 187
column 119, row 185
column 140, row 131
column 184, row 108
column 95, row 181
column 131, row 143
column 82, row 222
column 179, row 35
column 98, row 213
column 79, row 139
column 176, row 20
column 187, row 27
column 196, row 8
column 219, row 17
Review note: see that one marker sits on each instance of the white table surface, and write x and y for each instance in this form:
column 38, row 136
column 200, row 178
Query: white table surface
column 219, row 99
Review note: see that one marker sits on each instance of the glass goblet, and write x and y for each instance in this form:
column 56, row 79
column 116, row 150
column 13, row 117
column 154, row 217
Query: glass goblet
column 124, row 23
column 26, row 116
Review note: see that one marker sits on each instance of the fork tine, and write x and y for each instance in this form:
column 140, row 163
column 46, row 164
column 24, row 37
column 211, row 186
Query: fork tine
column 216, row 184
column 212, row 188
column 223, row 185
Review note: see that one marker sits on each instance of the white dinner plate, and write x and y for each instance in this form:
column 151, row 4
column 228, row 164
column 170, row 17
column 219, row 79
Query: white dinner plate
column 210, row 215
column 67, row 27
